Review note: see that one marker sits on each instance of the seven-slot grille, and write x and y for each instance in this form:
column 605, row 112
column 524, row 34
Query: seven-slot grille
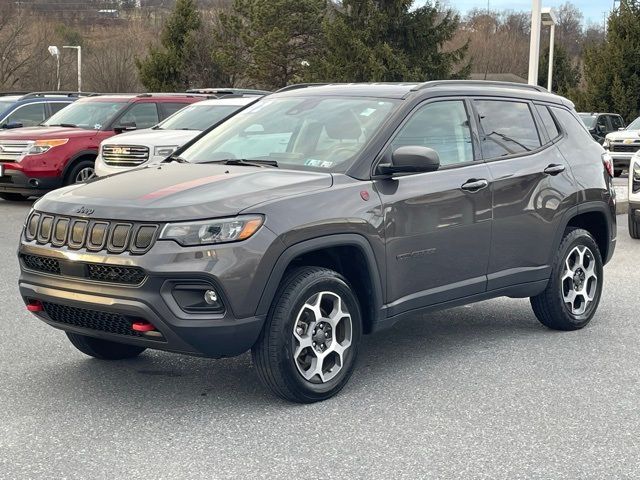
column 13, row 150
column 92, row 235
column 125, row 155
column 91, row 319
column 99, row 272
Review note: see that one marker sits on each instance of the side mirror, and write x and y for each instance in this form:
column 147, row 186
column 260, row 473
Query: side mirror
column 125, row 127
column 13, row 125
column 620, row 129
column 411, row 159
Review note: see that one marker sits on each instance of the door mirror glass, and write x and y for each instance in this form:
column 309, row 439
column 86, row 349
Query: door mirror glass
column 411, row 159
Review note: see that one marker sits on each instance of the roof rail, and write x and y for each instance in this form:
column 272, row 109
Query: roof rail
column 228, row 91
column 166, row 94
column 491, row 83
column 57, row 93
column 296, row 86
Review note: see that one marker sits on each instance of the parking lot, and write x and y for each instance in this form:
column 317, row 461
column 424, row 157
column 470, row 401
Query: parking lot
column 481, row 391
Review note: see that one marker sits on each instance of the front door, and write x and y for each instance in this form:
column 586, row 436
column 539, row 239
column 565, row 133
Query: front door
column 437, row 224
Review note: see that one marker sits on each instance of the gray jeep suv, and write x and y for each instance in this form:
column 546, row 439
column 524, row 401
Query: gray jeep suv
column 321, row 213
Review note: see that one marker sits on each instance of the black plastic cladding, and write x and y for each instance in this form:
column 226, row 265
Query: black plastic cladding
column 94, row 235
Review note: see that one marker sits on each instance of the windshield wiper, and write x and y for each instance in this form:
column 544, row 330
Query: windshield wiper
column 66, row 125
column 244, row 161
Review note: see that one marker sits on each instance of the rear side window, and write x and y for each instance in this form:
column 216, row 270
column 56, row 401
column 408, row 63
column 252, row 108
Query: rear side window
column 57, row 106
column 548, row 122
column 574, row 127
column 616, row 122
column 508, row 128
column 169, row 108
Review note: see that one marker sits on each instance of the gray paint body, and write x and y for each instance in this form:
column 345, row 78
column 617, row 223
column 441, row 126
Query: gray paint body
column 427, row 242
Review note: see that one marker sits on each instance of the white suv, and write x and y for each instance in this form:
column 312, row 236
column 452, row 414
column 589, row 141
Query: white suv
column 622, row 145
column 634, row 196
column 152, row 145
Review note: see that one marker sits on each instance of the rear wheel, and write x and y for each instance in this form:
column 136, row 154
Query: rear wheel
column 103, row 349
column 12, row 197
column 573, row 293
column 81, row 172
column 309, row 344
column 634, row 225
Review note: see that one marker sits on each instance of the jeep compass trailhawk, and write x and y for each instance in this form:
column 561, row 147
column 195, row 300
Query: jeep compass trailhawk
column 322, row 213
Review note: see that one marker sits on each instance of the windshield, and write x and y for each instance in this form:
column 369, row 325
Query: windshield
column 87, row 114
column 635, row 125
column 588, row 120
column 308, row 133
column 197, row 117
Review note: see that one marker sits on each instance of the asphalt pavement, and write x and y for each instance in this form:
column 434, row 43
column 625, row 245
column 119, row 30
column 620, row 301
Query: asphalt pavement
column 482, row 391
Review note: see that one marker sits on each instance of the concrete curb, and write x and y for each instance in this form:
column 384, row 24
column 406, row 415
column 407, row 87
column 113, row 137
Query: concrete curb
column 622, row 200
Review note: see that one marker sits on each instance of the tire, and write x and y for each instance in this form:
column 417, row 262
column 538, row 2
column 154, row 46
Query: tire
column 104, row 349
column 634, row 226
column 617, row 173
column 79, row 170
column 273, row 353
column 13, row 197
column 551, row 307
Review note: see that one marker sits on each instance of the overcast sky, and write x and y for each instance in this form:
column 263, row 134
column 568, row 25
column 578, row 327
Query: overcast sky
column 591, row 9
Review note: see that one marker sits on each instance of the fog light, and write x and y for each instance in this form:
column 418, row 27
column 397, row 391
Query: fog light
column 211, row 297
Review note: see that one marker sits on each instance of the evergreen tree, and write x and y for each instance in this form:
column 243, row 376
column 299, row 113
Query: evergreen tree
column 612, row 69
column 167, row 69
column 389, row 40
column 565, row 76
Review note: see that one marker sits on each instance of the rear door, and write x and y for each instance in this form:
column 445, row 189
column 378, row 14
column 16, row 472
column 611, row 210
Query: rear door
column 532, row 188
column 437, row 224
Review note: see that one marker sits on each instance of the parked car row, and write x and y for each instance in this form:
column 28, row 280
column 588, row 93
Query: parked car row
column 63, row 149
column 31, row 109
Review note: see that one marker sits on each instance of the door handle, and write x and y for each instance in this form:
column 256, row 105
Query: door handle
column 474, row 185
column 554, row 169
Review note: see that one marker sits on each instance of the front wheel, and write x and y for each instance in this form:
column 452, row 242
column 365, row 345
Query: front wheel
column 573, row 293
column 309, row 344
column 82, row 172
column 103, row 349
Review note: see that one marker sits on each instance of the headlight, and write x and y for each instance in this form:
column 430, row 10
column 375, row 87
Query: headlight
column 208, row 232
column 164, row 151
column 606, row 143
column 42, row 146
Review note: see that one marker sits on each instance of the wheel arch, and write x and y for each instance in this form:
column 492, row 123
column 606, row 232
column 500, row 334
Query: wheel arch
column 350, row 255
column 78, row 157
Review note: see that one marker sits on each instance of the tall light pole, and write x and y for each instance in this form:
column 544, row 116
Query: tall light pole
column 54, row 51
column 534, row 45
column 549, row 19
column 79, row 49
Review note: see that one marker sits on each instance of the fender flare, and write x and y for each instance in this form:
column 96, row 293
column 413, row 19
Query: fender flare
column 319, row 243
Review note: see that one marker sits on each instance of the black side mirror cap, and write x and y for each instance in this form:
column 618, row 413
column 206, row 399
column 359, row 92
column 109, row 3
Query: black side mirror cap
column 13, row 125
column 410, row 159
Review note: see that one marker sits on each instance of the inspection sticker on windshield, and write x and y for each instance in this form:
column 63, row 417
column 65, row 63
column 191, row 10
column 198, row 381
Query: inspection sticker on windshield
column 312, row 162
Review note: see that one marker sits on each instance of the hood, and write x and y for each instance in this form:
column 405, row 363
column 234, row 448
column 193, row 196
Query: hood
column 181, row 191
column 623, row 134
column 150, row 137
column 41, row 133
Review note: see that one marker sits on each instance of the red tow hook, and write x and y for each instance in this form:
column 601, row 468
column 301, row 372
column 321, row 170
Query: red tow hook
column 35, row 306
column 142, row 327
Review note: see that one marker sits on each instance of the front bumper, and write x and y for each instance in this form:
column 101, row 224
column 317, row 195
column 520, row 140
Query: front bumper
column 167, row 264
column 15, row 180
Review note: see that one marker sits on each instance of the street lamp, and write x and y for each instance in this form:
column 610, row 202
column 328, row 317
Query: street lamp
column 549, row 19
column 79, row 49
column 54, row 51
column 534, row 44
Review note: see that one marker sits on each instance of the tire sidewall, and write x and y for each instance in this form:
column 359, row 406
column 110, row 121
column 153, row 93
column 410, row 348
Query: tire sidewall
column 295, row 381
column 71, row 176
column 580, row 238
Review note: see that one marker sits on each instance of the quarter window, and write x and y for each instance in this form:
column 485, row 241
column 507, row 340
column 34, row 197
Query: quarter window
column 508, row 128
column 442, row 126
column 548, row 121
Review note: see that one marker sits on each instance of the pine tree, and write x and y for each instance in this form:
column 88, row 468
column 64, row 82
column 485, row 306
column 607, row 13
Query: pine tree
column 166, row 69
column 565, row 76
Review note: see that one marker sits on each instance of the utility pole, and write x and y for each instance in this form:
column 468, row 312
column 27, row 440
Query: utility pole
column 534, row 45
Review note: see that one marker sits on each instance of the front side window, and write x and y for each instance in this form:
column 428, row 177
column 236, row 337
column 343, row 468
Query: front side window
column 321, row 133
column 141, row 115
column 601, row 123
column 89, row 114
column 28, row 115
column 508, row 128
column 197, row 117
column 442, row 126
column 616, row 122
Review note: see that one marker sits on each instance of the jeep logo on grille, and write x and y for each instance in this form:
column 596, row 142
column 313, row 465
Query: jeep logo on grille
column 85, row 211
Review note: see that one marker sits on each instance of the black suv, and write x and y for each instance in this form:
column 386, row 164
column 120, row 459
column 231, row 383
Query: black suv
column 318, row 214
column 600, row 124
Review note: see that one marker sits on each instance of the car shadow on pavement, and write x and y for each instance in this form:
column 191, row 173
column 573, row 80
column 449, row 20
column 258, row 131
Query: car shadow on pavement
column 158, row 379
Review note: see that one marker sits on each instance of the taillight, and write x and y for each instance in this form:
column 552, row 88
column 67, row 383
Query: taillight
column 608, row 163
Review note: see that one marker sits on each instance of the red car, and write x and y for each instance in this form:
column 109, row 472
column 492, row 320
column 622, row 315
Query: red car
column 62, row 150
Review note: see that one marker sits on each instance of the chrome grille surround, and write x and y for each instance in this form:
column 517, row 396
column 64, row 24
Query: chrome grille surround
column 125, row 155
column 14, row 150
